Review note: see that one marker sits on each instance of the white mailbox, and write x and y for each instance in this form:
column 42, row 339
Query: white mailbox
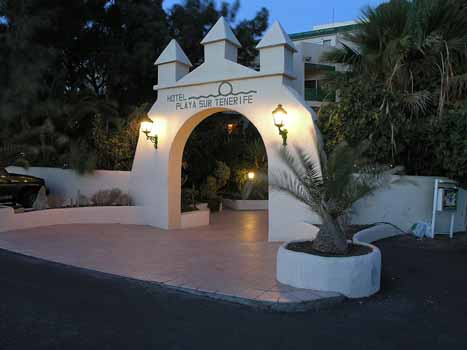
column 444, row 200
column 447, row 198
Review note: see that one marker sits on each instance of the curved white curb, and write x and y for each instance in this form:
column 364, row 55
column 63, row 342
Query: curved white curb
column 375, row 233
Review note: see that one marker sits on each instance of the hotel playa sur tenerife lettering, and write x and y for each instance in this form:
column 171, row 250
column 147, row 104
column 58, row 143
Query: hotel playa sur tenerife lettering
column 224, row 98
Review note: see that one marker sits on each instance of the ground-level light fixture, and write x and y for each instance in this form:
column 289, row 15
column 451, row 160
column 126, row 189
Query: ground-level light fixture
column 251, row 175
column 280, row 115
column 146, row 127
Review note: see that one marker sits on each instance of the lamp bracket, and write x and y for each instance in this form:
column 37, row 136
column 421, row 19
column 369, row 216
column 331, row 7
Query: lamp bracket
column 283, row 133
column 154, row 139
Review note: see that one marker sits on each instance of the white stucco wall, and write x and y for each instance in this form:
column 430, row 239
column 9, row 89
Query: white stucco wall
column 9, row 220
column 405, row 202
column 66, row 183
column 196, row 218
column 402, row 203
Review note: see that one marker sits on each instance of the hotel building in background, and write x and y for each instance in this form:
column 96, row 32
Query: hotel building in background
column 309, row 67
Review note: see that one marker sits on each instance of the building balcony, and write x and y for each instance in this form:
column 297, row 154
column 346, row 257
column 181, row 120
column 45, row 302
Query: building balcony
column 319, row 95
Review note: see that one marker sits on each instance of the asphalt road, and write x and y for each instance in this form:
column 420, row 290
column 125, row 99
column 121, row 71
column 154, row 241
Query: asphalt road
column 423, row 305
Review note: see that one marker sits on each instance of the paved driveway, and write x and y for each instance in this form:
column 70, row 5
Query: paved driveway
column 231, row 257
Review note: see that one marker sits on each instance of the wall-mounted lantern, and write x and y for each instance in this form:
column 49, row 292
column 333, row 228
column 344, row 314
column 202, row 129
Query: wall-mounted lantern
column 251, row 175
column 146, row 127
column 280, row 115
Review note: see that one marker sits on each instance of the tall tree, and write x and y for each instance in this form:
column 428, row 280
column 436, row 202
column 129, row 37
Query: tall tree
column 418, row 49
column 33, row 74
column 190, row 21
column 66, row 64
column 408, row 82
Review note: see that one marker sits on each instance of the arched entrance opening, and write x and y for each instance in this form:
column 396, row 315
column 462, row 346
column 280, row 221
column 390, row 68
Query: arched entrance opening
column 218, row 159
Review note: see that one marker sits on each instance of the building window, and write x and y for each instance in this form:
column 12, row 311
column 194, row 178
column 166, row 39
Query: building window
column 311, row 84
column 327, row 43
column 315, row 90
column 311, row 89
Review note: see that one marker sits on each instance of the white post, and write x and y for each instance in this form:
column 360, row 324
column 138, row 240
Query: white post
column 451, row 226
column 435, row 203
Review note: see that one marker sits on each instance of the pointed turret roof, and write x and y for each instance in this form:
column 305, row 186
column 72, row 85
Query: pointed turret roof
column 219, row 32
column 173, row 53
column 276, row 36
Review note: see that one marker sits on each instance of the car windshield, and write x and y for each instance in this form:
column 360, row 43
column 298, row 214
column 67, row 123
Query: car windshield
column 3, row 172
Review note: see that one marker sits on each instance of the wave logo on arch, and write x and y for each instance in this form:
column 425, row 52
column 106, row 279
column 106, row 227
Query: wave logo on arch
column 226, row 96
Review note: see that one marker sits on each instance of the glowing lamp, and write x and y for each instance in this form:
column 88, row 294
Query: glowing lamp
column 146, row 127
column 251, row 175
column 279, row 115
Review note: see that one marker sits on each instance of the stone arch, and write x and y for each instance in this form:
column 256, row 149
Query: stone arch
column 176, row 153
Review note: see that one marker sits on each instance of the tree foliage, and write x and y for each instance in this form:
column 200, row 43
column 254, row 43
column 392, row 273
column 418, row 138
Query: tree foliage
column 407, row 88
column 242, row 151
column 67, row 66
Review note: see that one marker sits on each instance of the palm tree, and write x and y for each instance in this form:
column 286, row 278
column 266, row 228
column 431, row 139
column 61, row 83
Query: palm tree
column 417, row 48
column 330, row 190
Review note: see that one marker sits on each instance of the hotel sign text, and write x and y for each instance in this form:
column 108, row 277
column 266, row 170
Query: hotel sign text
column 225, row 97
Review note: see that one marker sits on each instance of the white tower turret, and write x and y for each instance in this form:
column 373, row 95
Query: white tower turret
column 172, row 64
column 276, row 51
column 220, row 39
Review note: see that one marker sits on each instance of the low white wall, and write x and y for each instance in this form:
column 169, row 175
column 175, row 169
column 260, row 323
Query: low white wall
column 402, row 203
column 196, row 218
column 405, row 202
column 245, row 204
column 66, row 183
column 10, row 221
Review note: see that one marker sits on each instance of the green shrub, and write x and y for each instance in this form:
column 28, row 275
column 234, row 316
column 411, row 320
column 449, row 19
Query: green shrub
column 424, row 145
column 214, row 183
column 113, row 197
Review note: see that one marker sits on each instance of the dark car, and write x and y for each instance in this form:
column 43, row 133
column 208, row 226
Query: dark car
column 17, row 188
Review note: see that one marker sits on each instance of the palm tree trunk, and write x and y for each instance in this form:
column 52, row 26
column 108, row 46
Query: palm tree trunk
column 331, row 238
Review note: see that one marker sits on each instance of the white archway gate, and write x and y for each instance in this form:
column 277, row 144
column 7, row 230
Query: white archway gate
column 220, row 84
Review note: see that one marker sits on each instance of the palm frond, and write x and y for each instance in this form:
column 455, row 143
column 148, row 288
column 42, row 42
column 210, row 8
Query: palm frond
column 458, row 85
column 339, row 168
column 286, row 183
column 80, row 158
column 344, row 55
column 416, row 102
column 302, row 181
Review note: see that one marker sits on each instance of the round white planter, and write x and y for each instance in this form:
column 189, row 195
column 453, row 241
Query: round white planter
column 353, row 276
